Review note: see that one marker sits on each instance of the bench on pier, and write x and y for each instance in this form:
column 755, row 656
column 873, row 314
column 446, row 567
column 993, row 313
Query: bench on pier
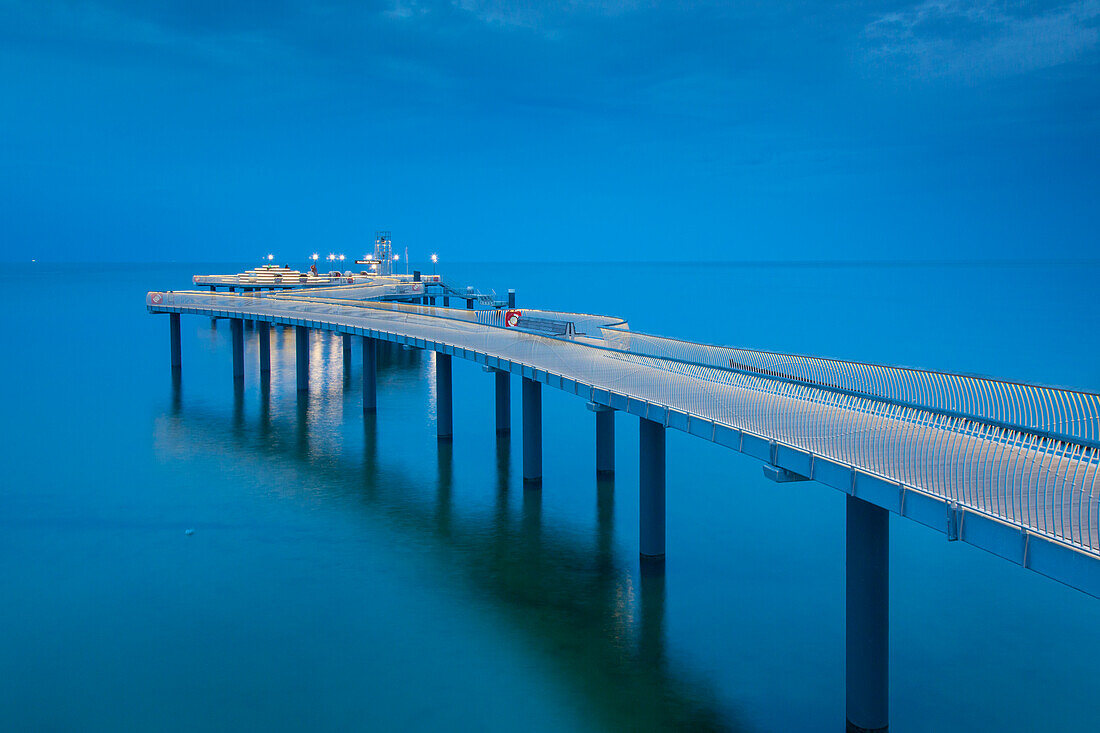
column 546, row 326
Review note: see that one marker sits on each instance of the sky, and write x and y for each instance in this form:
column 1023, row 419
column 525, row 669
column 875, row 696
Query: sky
column 200, row 130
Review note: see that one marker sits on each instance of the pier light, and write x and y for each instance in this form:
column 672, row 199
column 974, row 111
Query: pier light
column 341, row 258
column 313, row 256
column 435, row 258
column 396, row 258
column 270, row 257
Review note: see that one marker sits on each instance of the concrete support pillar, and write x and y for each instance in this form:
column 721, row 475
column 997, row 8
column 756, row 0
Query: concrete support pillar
column 346, row 342
column 236, row 331
column 301, row 357
column 605, row 442
column 431, row 300
column 263, row 330
column 867, row 620
column 532, row 431
column 511, row 298
column 469, row 304
column 174, row 337
column 446, row 301
column 370, row 374
column 504, row 401
column 444, row 428
column 651, row 479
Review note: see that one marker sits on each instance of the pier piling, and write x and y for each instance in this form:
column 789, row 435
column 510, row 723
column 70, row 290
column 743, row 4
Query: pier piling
column 867, row 631
column 532, row 432
column 236, row 330
column 263, row 330
column 346, row 343
column 370, row 374
column 301, row 357
column 174, row 337
column 651, row 480
column 504, row 401
column 605, row 441
column 444, row 428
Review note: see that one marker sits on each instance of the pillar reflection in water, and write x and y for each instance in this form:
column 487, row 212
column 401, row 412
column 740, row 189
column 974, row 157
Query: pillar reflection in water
column 575, row 599
column 445, row 486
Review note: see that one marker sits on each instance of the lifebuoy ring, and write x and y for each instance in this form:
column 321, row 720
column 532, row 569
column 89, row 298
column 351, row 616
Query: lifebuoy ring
column 157, row 297
column 511, row 318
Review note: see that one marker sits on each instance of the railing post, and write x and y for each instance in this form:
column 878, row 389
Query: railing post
column 504, row 401
column 651, row 479
column 867, row 619
column 532, row 431
column 301, row 357
column 174, row 337
column 236, row 331
column 263, row 329
column 370, row 374
column 444, row 428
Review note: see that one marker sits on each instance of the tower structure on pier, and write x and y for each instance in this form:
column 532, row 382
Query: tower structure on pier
column 383, row 252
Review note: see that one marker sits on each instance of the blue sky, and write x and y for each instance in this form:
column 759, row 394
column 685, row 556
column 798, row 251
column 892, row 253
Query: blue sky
column 204, row 130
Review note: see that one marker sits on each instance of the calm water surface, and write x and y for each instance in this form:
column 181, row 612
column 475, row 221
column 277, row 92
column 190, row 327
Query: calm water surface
column 354, row 574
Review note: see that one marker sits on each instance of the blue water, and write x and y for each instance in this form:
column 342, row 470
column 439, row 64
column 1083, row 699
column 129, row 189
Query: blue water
column 351, row 574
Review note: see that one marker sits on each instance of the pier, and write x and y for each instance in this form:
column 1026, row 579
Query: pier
column 1009, row 468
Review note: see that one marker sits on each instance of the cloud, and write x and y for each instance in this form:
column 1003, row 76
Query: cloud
column 981, row 40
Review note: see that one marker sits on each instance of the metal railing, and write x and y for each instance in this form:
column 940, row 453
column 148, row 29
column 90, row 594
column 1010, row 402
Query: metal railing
column 1049, row 412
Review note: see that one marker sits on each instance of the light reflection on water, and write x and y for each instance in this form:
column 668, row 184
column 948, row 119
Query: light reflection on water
column 570, row 594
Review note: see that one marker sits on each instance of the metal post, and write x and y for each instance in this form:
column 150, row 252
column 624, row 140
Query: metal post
column 532, row 431
column 346, row 339
column 651, row 480
column 443, row 424
column 236, row 331
column 263, row 330
column 504, row 401
column 174, row 331
column 370, row 374
column 867, row 620
column 605, row 442
column 301, row 357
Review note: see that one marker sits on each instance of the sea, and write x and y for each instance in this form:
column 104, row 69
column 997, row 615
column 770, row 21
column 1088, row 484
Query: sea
column 180, row 555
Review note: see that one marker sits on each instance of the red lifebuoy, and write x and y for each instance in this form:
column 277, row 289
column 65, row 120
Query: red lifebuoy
column 157, row 297
column 511, row 318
